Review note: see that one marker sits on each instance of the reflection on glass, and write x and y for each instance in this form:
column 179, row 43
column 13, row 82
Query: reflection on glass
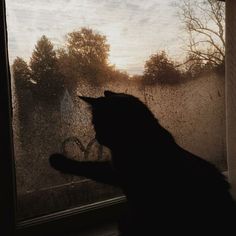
column 169, row 55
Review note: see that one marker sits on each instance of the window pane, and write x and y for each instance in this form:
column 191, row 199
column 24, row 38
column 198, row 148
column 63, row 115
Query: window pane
column 156, row 50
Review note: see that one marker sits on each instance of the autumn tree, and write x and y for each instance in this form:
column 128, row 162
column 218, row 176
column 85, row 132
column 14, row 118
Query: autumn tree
column 47, row 81
column 159, row 69
column 85, row 55
column 204, row 22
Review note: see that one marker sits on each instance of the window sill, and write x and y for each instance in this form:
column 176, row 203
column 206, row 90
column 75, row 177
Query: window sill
column 72, row 220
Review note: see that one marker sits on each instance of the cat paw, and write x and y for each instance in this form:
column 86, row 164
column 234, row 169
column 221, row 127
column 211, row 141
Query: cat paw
column 59, row 162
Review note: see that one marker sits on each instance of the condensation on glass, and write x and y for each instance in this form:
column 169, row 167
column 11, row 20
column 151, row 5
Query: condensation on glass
column 62, row 49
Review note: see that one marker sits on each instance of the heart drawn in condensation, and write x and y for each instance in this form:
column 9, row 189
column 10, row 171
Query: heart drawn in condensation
column 74, row 148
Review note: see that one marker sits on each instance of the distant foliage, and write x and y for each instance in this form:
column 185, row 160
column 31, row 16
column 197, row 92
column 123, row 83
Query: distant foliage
column 21, row 74
column 117, row 75
column 194, row 67
column 159, row 69
column 47, row 81
column 22, row 83
column 85, row 56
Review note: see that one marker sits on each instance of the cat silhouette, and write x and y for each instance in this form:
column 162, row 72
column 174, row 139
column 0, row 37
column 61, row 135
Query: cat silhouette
column 169, row 190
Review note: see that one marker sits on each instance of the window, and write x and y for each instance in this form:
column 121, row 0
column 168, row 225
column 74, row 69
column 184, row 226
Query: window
column 187, row 94
column 116, row 45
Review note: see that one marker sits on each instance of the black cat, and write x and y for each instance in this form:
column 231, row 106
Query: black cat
column 169, row 190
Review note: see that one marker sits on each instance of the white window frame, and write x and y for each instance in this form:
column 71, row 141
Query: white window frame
column 230, row 88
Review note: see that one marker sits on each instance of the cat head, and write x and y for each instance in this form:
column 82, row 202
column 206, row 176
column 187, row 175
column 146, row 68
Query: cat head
column 119, row 118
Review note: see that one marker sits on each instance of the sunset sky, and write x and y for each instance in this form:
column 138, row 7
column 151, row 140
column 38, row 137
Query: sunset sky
column 134, row 29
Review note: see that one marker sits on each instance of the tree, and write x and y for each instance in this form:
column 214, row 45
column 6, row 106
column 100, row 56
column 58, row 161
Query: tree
column 67, row 70
column 21, row 74
column 48, row 82
column 22, row 82
column 204, row 22
column 88, row 53
column 194, row 67
column 159, row 69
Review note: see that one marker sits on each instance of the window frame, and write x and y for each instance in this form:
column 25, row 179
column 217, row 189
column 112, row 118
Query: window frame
column 101, row 211
column 230, row 91
column 7, row 173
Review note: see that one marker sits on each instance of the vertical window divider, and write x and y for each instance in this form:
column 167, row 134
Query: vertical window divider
column 230, row 87
column 7, row 170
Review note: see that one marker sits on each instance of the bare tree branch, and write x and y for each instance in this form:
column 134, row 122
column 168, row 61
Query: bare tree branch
column 205, row 24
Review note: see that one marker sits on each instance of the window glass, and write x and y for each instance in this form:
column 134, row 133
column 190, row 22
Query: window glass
column 168, row 53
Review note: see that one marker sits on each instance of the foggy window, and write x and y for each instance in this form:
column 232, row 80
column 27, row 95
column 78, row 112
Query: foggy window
column 168, row 53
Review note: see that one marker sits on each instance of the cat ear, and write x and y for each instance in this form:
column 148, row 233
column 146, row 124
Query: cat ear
column 89, row 100
column 108, row 93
